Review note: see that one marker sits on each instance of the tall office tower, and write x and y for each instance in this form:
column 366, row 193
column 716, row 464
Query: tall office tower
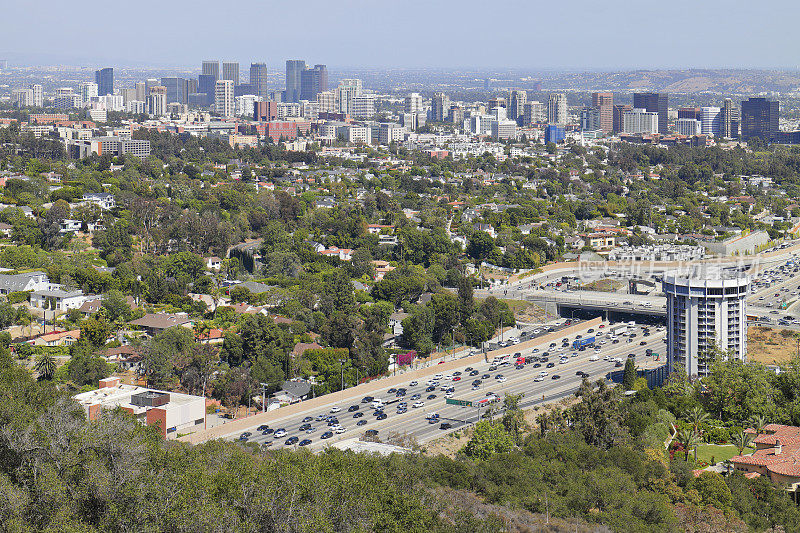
column 618, row 116
column 730, row 120
column 413, row 103
column 294, row 69
column 440, row 106
column 211, row 68
column 128, row 95
column 557, row 109
column 150, row 83
column 590, row 119
column 706, row 307
column 141, row 91
column 191, row 85
column 688, row 126
column 258, row 79
column 230, row 71
column 104, row 78
column 534, row 113
column 760, row 118
column 265, row 111
column 654, row 103
column 157, row 101
column 604, row 103
column 22, row 97
column 38, row 95
column 516, row 104
column 640, row 121
column 347, row 91
column 313, row 81
column 695, row 113
column 710, row 118
column 327, row 102
column 206, row 84
column 177, row 89
column 224, row 103
column 457, row 115
column 88, row 90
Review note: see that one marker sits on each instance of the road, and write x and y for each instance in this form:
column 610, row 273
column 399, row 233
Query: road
column 516, row 381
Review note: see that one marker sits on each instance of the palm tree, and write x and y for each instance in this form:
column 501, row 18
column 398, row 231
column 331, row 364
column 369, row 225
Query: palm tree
column 697, row 418
column 45, row 366
column 689, row 438
column 758, row 422
column 741, row 440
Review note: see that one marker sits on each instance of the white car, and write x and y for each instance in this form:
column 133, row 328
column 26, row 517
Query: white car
column 538, row 378
column 339, row 430
column 419, row 404
column 449, row 395
column 280, row 433
column 437, row 377
column 335, row 409
column 594, row 358
column 543, row 373
column 413, row 384
column 501, row 380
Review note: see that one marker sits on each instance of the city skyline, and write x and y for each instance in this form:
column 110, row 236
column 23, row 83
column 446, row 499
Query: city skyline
column 570, row 40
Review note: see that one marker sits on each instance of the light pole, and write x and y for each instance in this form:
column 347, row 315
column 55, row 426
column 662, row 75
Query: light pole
column 341, row 365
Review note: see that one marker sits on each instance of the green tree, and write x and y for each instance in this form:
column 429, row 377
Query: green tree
column 488, row 439
column 95, row 331
column 116, row 306
column 513, row 416
column 741, row 440
column 689, row 439
column 597, row 416
column 712, row 489
column 629, row 374
column 45, row 366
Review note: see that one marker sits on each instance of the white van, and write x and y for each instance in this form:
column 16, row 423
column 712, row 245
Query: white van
column 377, row 404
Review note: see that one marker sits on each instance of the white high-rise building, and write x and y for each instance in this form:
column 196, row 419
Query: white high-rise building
column 440, row 107
column 557, row 109
column 141, row 90
column 413, row 103
column 640, row 121
column 688, row 126
column 224, row 103
column 706, row 307
column 22, row 97
column 346, row 92
column 88, row 90
column 363, row 106
column 711, row 119
column 111, row 102
column 245, row 105
column 534, row 113
column 327, row 102
column 38, row 95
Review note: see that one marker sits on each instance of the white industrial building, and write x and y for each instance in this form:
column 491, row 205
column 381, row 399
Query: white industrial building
column 706, row 306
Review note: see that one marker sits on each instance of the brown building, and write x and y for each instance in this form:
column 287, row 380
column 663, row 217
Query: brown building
column 694, row 113
column 617, row 116
column 265, row 111
column 604, row 103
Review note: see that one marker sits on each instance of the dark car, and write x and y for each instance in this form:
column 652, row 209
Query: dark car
column 476, row 382
column 474, row 373
column 617, row 364
column 486, row 376
column 367, row 399
column 377, row 412
column 430, row 389
column 333, row 422
column 361, row 423
column 456, row 373
column 416, row 396
column 243, row 437
column 308, row 419
column 391, row 391
column 358, row 415
column 326, row 435
column 492, row 368
column 304, row 427
column 643, row 343
column 590, row 330
column 445, row 425
column 550, row 365
column 268, row 431
column 431, row 396
column 305, row 442
column 371, row 432
column 262, row 427
column 353, row 408
column 291, row 440
column 381, row 416
column 555, row 376
column 519, row 367
column 537, row 365
column 615, row 341
column 468, row 369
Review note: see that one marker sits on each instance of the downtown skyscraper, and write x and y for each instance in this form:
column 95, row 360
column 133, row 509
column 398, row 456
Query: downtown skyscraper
column 104, row 78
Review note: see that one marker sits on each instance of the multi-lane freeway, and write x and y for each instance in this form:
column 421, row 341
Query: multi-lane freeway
column 357, row 415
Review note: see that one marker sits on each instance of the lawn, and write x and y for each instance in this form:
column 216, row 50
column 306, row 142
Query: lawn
column 721, row 452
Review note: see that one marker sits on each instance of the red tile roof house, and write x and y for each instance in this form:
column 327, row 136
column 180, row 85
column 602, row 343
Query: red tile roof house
column 777, row 456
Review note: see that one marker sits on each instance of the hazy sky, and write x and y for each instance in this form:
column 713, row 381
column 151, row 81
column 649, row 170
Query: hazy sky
column 556, row 34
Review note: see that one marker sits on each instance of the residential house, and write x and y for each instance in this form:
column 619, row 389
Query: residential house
column 777, row 456
column 29, row 281
column 154, row 323
column 213, row 263
column 103, row 200
column 301, row 347
column 381, row 269
column 70, row 226
column 63, row 299
column 6, row 229
column 58, row 338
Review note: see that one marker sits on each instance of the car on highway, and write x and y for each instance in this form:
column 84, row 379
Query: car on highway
column 262, row 427
column 335, row 409
column 555, row 376
column 291, row 440
column 339, row 430
column 304, row 427
column 418, row 404
column 361, row 423
column 244, row 436
column 280, row 433
column 321, row 417
column 358, row 414
column 353, row 408
column 326, row 435
column 474, row 373
column 430, row 397
column 311, row 430
column 550, row 365
column 391, row 391
column 268, row 431
column 305, row 442
column 371, row 432
column 413, row 384
column 594, row 358
column 367, row 399
column 501, row 380
column 445, row 425
column 381, row 416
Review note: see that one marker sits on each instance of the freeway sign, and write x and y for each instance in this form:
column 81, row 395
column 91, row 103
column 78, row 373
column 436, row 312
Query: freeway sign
column 462, row 403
